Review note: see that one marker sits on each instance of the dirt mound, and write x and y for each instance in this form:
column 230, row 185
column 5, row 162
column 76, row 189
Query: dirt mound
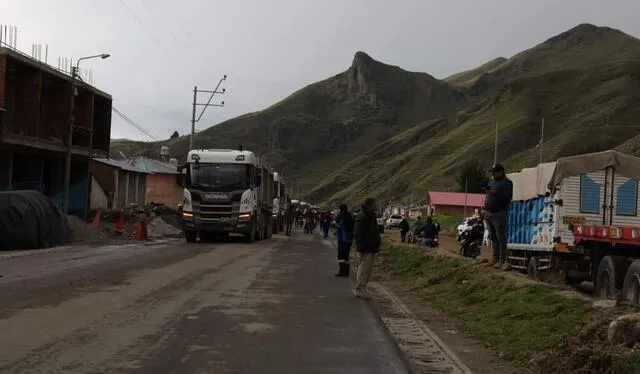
column 83, row 232
column 159, row 228
column 588, row 351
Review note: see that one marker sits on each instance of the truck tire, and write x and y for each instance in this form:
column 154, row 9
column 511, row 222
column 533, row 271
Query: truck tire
column 190, row 236
column 610, row 276
column 251, row 237
column 631, row 285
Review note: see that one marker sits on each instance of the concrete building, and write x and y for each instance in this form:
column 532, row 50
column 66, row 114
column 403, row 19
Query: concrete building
column 162, row 181
column 115, row 184
column 34, row 124
column 453, row 202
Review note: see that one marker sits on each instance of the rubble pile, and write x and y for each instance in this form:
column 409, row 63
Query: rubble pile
column 159, row 228
column 81, row 231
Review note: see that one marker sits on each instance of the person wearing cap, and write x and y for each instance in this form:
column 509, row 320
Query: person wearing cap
column 496, row 204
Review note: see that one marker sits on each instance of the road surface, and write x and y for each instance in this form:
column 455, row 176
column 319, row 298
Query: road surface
column 269, row 307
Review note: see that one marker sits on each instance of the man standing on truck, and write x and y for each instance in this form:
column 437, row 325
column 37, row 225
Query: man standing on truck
column 496, row 204
column 367, row 235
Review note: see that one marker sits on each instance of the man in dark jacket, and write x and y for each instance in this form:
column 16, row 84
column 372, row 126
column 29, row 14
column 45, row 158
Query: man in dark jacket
column 429, row 231
column 496, row 204
column 404, row 229
column 344, row 224
column 367, row 235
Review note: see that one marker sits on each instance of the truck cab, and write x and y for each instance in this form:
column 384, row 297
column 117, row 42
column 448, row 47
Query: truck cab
column 226, row 191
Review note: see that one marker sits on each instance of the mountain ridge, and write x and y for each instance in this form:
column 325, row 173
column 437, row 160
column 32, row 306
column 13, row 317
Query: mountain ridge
column 378, row 129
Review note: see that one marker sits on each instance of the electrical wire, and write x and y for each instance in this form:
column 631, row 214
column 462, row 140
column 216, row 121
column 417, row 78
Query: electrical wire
column 134, row 124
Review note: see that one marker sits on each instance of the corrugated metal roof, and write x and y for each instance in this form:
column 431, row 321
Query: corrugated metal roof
column 456, row 199
column 120, row 164
column 152, row 166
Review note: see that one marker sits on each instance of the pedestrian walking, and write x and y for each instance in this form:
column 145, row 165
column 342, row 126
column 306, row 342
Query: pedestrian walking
column 496, row 204
column 344, row 224
column 367, row 235
column 404, row 229
column 326, row 224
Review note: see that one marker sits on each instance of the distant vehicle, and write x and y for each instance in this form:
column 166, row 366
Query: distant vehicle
column 380, row 224
column 394, row 221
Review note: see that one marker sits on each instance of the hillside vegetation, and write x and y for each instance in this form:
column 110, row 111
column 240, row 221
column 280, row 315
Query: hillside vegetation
column 378, row 130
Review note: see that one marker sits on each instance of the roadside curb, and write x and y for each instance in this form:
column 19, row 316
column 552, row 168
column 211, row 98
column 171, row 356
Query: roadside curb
column 423, row 351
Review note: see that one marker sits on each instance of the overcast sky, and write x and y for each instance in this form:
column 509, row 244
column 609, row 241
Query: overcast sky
column 160, row 49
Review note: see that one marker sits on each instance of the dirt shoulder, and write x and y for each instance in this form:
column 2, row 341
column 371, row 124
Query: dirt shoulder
column 501, row 322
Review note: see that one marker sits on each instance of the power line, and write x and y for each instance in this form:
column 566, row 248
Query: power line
column 155, row 37
column 134, row 124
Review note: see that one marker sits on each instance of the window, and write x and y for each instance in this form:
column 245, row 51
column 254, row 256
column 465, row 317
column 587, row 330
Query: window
column 589, row 195
column 627, row 198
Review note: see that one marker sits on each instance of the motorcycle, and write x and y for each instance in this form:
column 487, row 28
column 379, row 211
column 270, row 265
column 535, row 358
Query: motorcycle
column 412, row 238
column 471, row 239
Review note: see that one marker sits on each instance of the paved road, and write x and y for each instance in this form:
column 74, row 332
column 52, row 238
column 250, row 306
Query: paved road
column 269, row 307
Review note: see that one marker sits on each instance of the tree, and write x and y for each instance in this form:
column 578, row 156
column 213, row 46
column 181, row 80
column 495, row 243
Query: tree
column 473, row 175
column 175, row 135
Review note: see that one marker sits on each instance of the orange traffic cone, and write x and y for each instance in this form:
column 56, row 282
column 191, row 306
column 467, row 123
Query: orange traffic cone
column 96, row 220
column 141, row 229
column 120, row 225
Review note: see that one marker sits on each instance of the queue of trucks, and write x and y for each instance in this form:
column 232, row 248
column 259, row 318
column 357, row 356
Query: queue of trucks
column 230, row 191
column 579, row 216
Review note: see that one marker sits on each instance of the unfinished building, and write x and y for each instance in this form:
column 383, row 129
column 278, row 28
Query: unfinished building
column 34, row 124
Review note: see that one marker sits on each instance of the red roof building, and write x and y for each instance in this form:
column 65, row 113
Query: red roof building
column 453, row 202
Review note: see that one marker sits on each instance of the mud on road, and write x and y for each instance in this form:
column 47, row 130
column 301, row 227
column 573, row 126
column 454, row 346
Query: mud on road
column 269, row 307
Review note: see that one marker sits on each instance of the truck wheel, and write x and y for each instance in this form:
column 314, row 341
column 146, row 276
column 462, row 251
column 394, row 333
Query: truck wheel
column 610, row 276
column 190, row 236
column 631, row 286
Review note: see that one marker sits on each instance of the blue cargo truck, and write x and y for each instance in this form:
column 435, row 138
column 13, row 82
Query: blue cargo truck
column 578, row 216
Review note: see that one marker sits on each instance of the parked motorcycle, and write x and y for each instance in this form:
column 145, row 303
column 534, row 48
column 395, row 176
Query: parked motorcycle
column 471, row 238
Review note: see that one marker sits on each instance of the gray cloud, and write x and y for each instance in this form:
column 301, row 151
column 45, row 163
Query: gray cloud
column 269, row 48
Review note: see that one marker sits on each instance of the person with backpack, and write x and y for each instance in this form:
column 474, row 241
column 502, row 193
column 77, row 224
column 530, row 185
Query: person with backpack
column 344, row 224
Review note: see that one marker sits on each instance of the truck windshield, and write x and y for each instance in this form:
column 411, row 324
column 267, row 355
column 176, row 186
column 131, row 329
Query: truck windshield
column 220, row 177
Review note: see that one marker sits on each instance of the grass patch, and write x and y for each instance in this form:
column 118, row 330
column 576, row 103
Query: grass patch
column 527, row 323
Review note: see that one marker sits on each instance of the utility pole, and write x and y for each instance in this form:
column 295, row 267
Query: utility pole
column 541, row 138
column 72, row 121
column 194, row 120
column 495, row 146
column 465, row 195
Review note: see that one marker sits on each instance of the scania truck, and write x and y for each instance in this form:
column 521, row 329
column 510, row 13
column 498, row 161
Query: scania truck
column 226, row 191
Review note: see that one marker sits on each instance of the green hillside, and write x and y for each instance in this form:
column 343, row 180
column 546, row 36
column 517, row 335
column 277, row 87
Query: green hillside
column 379, row 130
column 469, row 77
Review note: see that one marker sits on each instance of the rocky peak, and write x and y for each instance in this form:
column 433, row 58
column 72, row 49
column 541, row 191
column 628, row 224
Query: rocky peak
column 360, row 76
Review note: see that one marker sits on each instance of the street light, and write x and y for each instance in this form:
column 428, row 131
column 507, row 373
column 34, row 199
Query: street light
column 72, row 105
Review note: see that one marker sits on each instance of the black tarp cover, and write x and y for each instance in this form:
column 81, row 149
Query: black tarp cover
column 28, row 220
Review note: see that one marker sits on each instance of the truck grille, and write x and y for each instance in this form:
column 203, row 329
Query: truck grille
column 216, row 211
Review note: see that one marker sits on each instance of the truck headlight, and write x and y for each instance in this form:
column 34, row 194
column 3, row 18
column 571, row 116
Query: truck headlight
column 187, row 215
column 244, row 217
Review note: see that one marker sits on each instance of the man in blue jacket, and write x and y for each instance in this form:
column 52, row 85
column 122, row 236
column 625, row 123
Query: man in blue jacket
column 344, row 233
column 367, row 235
column 496, row 204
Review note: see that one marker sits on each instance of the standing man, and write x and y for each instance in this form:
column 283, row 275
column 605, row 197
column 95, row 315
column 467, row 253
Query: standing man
column 290, row 217
column 496, row 204
column 404, row 229
column 345, row 225
column 367, row 237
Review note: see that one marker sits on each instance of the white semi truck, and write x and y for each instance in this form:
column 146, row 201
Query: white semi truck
column 226, row 191
column 279, row 202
